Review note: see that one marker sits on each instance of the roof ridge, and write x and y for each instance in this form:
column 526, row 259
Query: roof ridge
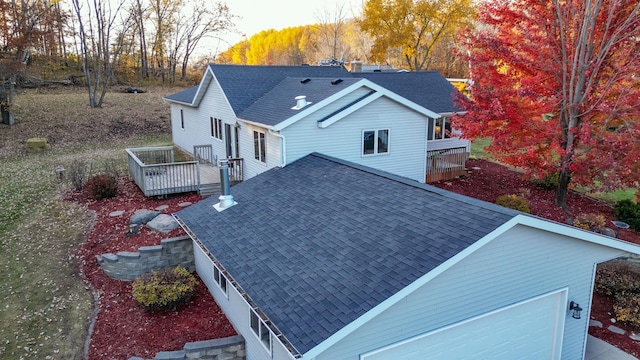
column 430, row 188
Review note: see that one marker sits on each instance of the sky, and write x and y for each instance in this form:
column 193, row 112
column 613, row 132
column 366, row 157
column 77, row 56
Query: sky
column 258, row 15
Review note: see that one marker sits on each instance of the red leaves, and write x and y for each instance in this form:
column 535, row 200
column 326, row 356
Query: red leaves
column 122, row 328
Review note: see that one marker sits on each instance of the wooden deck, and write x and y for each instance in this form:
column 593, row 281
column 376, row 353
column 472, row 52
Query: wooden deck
column 156, row 173
column 446, row 164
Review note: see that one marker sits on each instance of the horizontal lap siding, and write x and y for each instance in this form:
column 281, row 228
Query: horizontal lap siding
column 343, row 139
column 236, row 310
column 519, row 265
column 253, row 167
column 197, row 126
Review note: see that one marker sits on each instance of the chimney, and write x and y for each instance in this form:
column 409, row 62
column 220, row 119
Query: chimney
column 356, row 66
column 301, row 101
column 226, row 199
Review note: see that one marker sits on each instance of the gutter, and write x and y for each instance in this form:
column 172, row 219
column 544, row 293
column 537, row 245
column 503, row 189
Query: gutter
column 283, row 148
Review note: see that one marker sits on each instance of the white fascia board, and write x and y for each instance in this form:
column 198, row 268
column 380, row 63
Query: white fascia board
column 525, row 220
column 577, row 233
column 253, row 123
column 317, row 106
column 202, row 87
column 408, row 103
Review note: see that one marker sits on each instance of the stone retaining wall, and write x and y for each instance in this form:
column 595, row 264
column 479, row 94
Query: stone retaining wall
column 128, row 266
column 229, row 348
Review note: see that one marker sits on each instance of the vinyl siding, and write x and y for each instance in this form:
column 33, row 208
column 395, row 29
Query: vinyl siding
column 520, row 264
column 343, row 139
column 253, row 167
column 237, row 311
column 197, row 129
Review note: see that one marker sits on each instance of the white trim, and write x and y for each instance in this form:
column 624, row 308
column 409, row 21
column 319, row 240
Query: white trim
column 351, row 109
column 380, row 91
column 525, row 220
column 263, row 143
column 557, row 338
column 261, row 325
column 218, row 280
column 376, row 151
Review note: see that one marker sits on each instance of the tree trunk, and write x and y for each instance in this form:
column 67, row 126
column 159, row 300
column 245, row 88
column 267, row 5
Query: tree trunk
column 563, row 187
column 7, row 96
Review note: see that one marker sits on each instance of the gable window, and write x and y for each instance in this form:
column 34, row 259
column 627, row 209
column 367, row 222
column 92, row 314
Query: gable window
column 182, row 119
column 375, row 142
column 220, row 279
column 259, row 146
column 216, row 128
column 261, row 330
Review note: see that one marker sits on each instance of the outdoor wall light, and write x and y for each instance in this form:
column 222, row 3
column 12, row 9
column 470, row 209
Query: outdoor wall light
column 576, row 309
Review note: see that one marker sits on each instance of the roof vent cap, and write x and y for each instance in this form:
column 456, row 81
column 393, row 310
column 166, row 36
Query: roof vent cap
column 336, row 81
column 301, row 101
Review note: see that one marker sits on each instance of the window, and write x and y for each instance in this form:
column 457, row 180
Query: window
column 442, row 129
column 216, row 127
column 259, row 146
column 182, row 119
column 220, row 279
column 375, row 142
column 261, row 330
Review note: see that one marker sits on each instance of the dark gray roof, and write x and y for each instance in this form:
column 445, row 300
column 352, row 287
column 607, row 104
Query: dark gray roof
column 245, row 85
column 320, row 242
column 426, row 88
column 275, row 106
column 184, row 96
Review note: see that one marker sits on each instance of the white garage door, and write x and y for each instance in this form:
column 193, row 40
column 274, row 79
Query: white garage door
column 531, row 329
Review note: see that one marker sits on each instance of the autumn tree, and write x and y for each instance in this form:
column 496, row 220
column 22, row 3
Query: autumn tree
column 414, row 27
column 96, row 21
column 556, row 88
column 331, row 27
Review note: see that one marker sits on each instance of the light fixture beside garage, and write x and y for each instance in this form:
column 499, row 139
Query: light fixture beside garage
column 576, row 309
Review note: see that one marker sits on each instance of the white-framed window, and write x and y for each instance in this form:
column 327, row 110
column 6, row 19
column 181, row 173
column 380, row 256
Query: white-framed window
column 216, row 127
column 220, row 279
column 375, row 142
column 182, row 119
column 260, row 330
column 259, row 146
column 441, row 129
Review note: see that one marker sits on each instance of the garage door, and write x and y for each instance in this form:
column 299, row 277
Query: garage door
column 531, row 329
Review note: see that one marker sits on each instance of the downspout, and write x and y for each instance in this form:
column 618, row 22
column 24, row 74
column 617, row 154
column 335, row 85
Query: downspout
column 283, row 148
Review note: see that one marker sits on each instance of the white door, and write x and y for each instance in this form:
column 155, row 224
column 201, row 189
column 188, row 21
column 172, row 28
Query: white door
column 530, row 329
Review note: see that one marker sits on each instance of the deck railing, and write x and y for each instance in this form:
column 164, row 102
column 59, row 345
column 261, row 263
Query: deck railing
column 446, row 163
column 236, row 173
column 156, row 174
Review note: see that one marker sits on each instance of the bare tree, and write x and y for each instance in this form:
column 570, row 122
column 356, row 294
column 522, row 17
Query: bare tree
column 331, row 27
column 164, row 16
column 95, row 27
column 140, row 15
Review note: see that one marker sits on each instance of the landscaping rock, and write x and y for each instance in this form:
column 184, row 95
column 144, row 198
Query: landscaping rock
column 616, row 330
column 37, row 145
column 634, row 336
column 595, row 323
column 185, row 204
column 162, row 207
column 163, row 223
column 116, row 213
column 143, row 216
column 608, row 232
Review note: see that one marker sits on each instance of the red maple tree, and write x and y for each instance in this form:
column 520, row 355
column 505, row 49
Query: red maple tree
column 557, row 88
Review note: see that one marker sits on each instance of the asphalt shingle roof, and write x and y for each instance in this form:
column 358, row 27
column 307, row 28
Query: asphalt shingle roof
column 320, row 242
column 246, row 86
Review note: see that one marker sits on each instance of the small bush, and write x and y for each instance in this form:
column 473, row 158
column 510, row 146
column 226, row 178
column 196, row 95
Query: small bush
column 78, row 174
column 627, row 309
column 591, row 222
column 548, row 182
column 513, row 201
column 102, row 186
column 629, row 212
column 164, row 289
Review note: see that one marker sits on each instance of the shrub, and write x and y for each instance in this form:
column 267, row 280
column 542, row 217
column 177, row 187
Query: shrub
column 629, row 212
column 164, row 289
column 78, row 174
column 621, row 281
column 513, row 201
column 549, row 181
column 102, row 186
column 591, row 222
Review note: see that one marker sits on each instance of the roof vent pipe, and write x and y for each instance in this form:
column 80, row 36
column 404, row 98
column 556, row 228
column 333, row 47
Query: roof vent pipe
column 301, row 101
column 226, row 199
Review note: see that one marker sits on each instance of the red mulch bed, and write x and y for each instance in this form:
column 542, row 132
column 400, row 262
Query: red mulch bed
column 492, row 180
column 122, row 329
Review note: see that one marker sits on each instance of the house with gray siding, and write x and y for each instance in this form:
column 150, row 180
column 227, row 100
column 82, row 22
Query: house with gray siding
column 329, row 259
column 270, row 116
